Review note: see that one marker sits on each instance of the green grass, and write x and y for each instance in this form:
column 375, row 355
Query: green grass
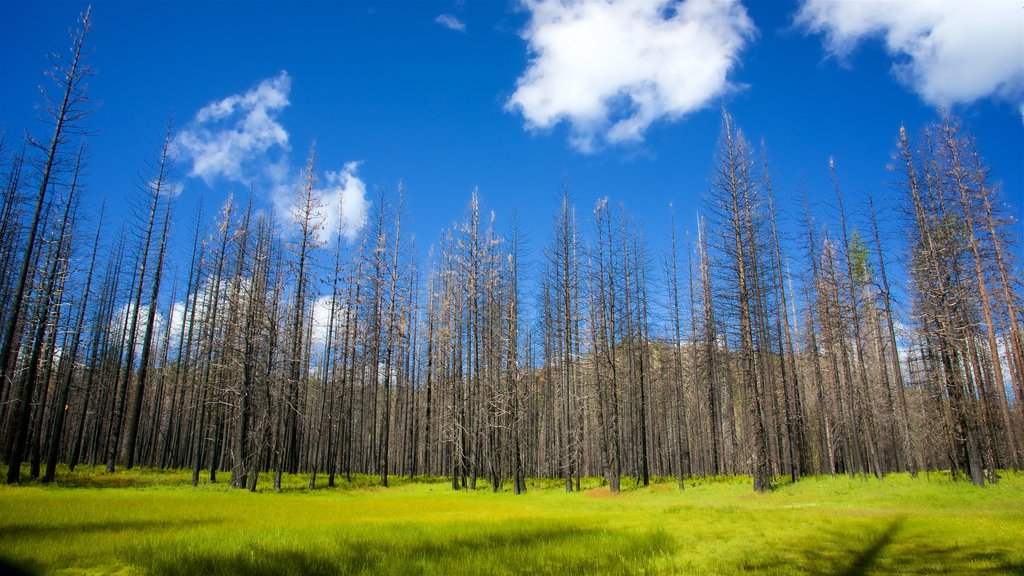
column 151, row 521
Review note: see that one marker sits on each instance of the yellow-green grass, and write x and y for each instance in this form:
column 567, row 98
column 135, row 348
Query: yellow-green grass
column 150, row 521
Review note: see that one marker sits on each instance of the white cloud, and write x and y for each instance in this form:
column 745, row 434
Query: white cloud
column 342, row 197
column 226, row 137
column 451, row 22
column 173, row 188
column 345, row 202
column 613, row 67
column 178, row 313
column 239, row 138
column 946, row 51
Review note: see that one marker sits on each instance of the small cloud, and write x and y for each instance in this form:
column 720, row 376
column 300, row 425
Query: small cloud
column 612, row 68
column 345, row 202
column 342, row 204
column 451, row 22
column 231, row 138
column 173, row 188
column 947, row 52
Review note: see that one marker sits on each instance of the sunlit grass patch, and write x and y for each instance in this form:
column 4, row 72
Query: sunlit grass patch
column 158, row 523
column 472, row 548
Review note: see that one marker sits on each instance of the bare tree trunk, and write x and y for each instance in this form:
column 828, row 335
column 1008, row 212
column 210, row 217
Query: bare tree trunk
column 906, row 437
column 392, row 337
column 732, row 189
column 790, row 378
column 158, row 187
column 867, row 413
column 65, row 386
column 20, row 423
column 682, row 437
column 963, row 187
column 210, row 321
column 948, row 355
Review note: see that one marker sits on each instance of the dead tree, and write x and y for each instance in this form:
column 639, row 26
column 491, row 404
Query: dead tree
column 159, row 185
column 730, row 197
column 53, row 451
column 308, row 217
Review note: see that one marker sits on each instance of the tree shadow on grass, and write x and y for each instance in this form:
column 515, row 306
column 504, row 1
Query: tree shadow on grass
column 866, row 558
column 395, row 549
column 885, row 548
column 39, row 531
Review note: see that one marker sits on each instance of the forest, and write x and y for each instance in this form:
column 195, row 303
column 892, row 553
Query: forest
column 739, row 350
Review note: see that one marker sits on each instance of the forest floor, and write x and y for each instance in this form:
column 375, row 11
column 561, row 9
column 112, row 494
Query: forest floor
column 155, row 522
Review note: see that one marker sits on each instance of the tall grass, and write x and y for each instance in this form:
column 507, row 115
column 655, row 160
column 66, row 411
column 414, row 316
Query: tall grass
column 151, row 521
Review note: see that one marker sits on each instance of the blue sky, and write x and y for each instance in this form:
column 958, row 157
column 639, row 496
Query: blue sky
column 622, row 99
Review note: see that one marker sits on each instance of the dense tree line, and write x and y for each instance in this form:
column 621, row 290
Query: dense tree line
column 738, row 350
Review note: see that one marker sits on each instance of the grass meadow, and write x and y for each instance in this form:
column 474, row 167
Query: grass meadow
column 154, row 522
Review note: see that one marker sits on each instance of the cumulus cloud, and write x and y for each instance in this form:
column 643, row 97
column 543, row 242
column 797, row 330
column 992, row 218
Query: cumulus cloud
column 342, row 202
column 345, row 202
column 240, row 138
column 226, row 137
column 611, row 68
column 451, row 22
column 947, row 52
